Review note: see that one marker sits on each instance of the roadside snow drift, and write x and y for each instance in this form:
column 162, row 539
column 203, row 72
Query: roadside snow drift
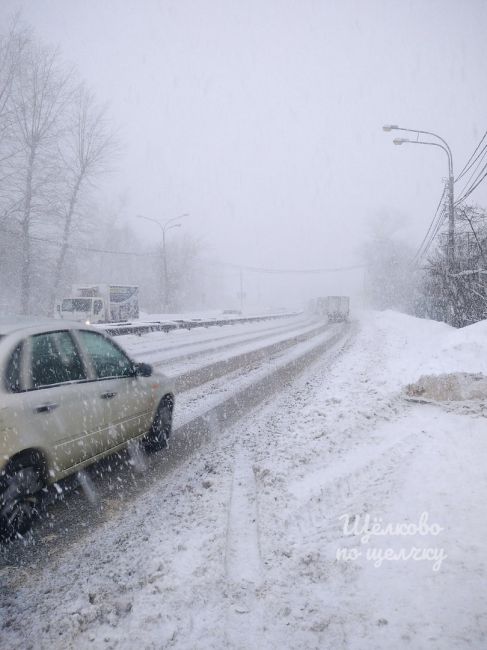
column 438, row 362
column 458, row 350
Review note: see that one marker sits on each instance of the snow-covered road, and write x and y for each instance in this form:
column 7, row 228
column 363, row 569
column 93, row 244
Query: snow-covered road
column 259, row 533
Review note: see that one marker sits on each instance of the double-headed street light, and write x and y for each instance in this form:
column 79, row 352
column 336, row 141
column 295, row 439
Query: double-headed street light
column 165, row 226
column 446, row 148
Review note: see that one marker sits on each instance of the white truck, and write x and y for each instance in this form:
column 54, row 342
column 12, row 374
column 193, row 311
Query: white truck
column 100, row 303
column 336, row 308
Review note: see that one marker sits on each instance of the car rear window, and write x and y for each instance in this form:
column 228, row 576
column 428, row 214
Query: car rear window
column 55, row 360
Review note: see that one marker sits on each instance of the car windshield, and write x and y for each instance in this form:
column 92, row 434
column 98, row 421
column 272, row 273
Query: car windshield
column 76, row 304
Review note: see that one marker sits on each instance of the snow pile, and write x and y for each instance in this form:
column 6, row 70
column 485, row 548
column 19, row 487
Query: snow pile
column 432, row 360
column 456, row 369
column 396, row 346
column 450, row 387
column 462, row 350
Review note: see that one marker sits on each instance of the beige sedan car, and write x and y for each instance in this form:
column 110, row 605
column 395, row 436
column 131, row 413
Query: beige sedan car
column 69, row 395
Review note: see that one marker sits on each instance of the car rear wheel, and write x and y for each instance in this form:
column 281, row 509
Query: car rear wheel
column 18, row 488
column 160, row 431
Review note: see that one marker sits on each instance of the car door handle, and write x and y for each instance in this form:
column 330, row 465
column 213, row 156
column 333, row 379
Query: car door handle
column 45, row 408
column 107, row 395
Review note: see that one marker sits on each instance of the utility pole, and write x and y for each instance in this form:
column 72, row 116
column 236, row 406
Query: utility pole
column 451, row 222
column 241, row 291
column 164, row 266
column 450, row 252
column 451, row 201
column 164, row 226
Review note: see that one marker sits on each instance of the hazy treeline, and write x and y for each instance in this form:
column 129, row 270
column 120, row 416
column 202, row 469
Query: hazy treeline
column 432, row 288
column 57, row 143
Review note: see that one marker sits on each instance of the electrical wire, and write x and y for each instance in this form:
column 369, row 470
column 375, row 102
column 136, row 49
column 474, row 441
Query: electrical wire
column 474, row 187
column 467, row 164
column 256, row 269
column 432, row 230
column 85, row 249
column 438, row 225
column 432, row 227
column 227, row 264
column 470, row 182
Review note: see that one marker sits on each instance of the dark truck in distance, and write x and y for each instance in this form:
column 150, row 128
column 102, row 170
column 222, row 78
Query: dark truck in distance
column 335, row 308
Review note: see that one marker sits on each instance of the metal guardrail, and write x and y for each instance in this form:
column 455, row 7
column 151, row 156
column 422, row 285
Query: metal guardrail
column 119, row 329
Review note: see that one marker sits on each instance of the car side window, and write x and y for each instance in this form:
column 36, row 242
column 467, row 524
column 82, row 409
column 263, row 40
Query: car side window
column 55, row 360
column 107, row 359
column 13, row 374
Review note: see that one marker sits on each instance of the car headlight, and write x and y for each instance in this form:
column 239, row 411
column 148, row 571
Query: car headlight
column 87, row 322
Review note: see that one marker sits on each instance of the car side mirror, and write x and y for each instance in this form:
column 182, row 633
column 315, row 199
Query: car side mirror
column 143, row 370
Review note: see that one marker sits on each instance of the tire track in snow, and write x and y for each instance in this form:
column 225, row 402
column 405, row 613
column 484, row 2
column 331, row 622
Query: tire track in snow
column 205, row 345
column 352, row 485
column 244, row 621
column 219, row 367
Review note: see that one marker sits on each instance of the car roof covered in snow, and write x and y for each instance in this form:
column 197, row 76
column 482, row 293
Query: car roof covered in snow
column 13, row 325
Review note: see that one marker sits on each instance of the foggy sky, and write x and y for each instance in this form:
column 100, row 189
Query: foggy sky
column 262, row 118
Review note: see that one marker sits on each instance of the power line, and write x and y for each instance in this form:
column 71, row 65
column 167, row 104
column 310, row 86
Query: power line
column 474, row 187
column 466, row 186
column 439, row 222
column 479, row 156
column 253, row 269
column 432, row 230
column 467, row 164
column 256, row 269
column 85, row 249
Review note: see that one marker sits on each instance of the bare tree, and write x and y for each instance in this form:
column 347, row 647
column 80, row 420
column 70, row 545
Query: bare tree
column 40, row 94
column 87, row 149
column 458, row 293
column 472, row 221
column 12, row 46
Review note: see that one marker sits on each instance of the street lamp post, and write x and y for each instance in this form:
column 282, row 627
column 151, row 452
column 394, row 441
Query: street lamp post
column 451, row 207
column 165, row 226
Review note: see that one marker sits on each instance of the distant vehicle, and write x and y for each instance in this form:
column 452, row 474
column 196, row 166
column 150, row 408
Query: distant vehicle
column 100, row 303
column 336, row 308
column 231, row 312
column 69, row 395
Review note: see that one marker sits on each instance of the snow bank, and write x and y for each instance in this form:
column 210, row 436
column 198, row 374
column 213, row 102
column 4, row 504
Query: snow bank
column 405, row 342
column 462, row 350
column 430, row 359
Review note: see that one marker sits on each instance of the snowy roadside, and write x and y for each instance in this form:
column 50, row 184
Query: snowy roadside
column 239, row 548
column 357, row 454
